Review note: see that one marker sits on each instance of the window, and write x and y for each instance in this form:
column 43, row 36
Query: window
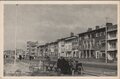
column 62, row 45
column 102, row 45
column 88, row 44
column 74, row 53
column 33, row 49
column 27, row 48
column 96, row 34
column 97, row 44
column 89, row 36
column 79, row 38
column 101, row 33
column 113, row 45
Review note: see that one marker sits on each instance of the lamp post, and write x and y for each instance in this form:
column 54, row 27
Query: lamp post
column 106, row 56
column 106, row 48
column 16, row 34
column 15, row 57
column 15, row 37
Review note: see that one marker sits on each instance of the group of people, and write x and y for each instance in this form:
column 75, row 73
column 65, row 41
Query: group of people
column 69, row 66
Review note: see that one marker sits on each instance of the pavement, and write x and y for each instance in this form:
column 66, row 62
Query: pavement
column 98, row 64
column 99, row 71
column 21, row 68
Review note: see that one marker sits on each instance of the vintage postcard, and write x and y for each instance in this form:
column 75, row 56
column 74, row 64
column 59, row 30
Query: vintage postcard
column 59, row 39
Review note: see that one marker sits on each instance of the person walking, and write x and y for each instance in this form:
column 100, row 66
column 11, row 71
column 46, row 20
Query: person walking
column 79, row 67
column 59, row 66
column 73, row 67
column 20, row 57
column 68, row 67
column 63, row 66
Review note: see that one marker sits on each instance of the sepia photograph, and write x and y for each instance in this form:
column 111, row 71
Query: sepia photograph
column 62, row 40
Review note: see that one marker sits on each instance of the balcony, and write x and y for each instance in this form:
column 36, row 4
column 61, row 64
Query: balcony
column 112, row 49
column 112, row 28
column 112, row 38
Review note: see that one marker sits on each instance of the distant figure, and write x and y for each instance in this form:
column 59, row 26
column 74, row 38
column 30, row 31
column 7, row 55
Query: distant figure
column 62, row 66
column 73, row 67
column 20, row 57
column 59, row 65
column 79, row 67
column 66, row 66
column 30, row 57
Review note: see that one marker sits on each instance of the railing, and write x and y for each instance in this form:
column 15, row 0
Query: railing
column 112, row 38
column 111, row 29
column 112, row 49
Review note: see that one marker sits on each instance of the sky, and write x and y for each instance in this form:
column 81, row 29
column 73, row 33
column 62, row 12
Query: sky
column 47, row 22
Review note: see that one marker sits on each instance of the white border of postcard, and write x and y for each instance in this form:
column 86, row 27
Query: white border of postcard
column 52, row 2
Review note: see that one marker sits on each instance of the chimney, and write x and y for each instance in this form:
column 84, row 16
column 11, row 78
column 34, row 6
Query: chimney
column 89, row 29
column 97, row 27
column 71, row 34
column 109, row 24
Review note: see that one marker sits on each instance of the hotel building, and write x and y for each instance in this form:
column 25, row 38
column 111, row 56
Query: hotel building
column 99, row 44
column 32, row 48
column 111, row 31
column 92, row 43
column 71, row 46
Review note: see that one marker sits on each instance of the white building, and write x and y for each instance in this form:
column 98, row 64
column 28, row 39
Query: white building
column 71, row 46
column 68, row 46
column 61, row 48
column 32, row 48
column 20, row 52
column 111, row 41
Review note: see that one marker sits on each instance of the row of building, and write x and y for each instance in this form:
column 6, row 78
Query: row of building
column 13, row 53
column 98, row 43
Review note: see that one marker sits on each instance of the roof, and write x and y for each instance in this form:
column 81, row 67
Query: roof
column 41, row 45
column 67, row 38
column 70, row 38
column 61, row 39
column 103, row 28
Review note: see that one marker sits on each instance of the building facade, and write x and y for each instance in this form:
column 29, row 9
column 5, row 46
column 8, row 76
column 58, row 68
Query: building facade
column 53, row 50
column 99, row 43
column 61, row 47
column 40, row 50
column 9, row 53
column 32, row 48
column 111, row 31
column 71, row 46
column 92, row 43
column 20, row 52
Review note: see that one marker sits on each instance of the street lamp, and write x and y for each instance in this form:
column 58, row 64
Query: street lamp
column 15, row 34
column 106, row 57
